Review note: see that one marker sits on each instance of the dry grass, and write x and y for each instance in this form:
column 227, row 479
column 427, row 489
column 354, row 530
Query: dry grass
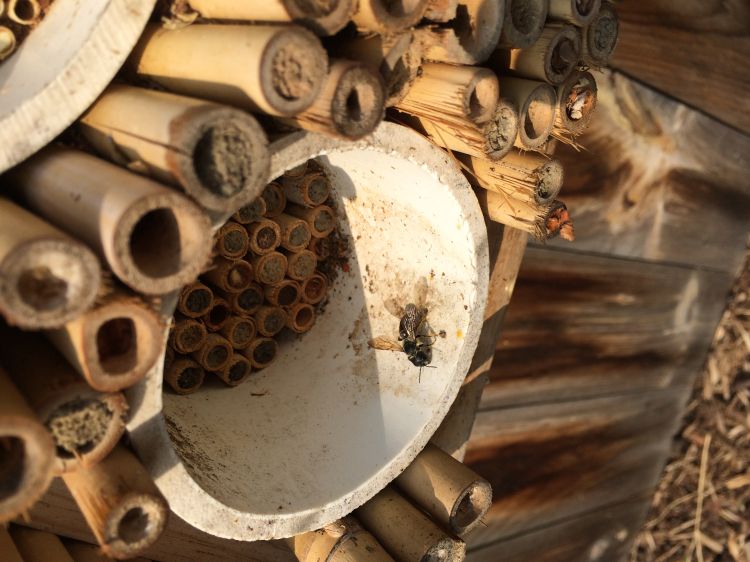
column 701, row 510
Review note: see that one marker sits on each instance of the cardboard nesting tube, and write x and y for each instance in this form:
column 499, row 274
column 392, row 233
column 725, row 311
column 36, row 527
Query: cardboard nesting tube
column 321, row 219
column 251, row 212
column 231, row 276
column 245, row 302
column 154, row 239
column 231, row 240
column 321, row 247
column 120, row 502
column 277, row 70
column 239, row 331
column 309, row 190
column 188, row 335
column 261, row 352
column 553, row 57
column 195, row 300
column 218, row 155
column 270, row 268
column 295, row 232
column 27, row 454
column 285, row 294
column 236, row 371
column 535, row 102
column 264, row 236
column 342, row 541
column 46, row 277
column 184, row 375
column 386, row 17
column 216, row 318
column 301, row 318
column 275, row 200
column 301, row 265
column 270, row 320
column 523, row 23
column 215, row 353
column 314, row 288
column 453, row 494
column 578, row 12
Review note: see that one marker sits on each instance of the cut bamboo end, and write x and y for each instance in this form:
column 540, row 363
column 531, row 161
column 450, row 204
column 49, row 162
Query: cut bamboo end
column 270, row 268
column 600, row 37
column 517, row 214
column 120, row 503
column 114, row 344
column 184, row 375
column 38, row 546
column 578, row 12
column 405, row 532
column 350, row 105
column 553, row 57
column 536, row 103
column 264, row 236
column 270, row 320
column 261, row 352
column 26, row 453
column 188, row 335
column 236, row 371
column 341, row 541
column 523, row 23
column 314, row 289
column 246, row 302
column 576, row 102
column 453, row 494
column 301, row 318
column 231, row 276
column 195, row 300
column 295, row 232
column 47, row 278
column 218, row 155
column 251, row 212
column 7, row 42
column 285, row 294
column 309, row 189
column 385, row 17
column 559, row 223
column 24, row 12
column 232, row 240
column 154, row 239
column 239, row 331
column 321, row 219
column 398, row 58
column 278, row 70
column 215, row 353
column 275, row 200
column 218, row 316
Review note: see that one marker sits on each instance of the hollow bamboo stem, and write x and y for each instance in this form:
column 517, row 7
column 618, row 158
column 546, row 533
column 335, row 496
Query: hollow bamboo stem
column 295, row 232
column 215, row 353
column 301, row 265
column 600, row 37
column 8, row 42
column 342, row 541
column 301, row 318
column 188, row 335
column 120, row 503
column 278, row 70
column 516, row 214
column 246, row 302
column 578, row 12
column 216, row 318
column 535, row 103
column 231, row 240
column 314, row 288
column 320, row 219
column 552, row 59
column 385, row 17
column 576, row 102
column 261, row 352
column 270, row 320
column 195, row 300
column 48, row 278
column 154, row 239
column 251, row 212
column 236, row 371
column 285, row 294
column 231, row 276
column 239, row 331
column 184, row 375
column 270, row 268
column 309, row 190
column 38, row 546
column 523, row 23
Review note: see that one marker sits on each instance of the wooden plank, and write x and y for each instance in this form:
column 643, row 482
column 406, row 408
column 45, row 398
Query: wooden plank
column 695, row 50
column 658, row 181
column 585, row 325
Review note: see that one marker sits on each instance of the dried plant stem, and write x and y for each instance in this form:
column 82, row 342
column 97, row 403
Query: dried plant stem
column 342, row 541
column 576, row 102
column 523, row 23
column 552, row 58
column 578, row 12
column 385, row 17
column 535, row 103
column 600, row 37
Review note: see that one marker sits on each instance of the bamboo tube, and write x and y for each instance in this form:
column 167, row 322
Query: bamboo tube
column 270, row 268
column 578, row 12
column 184, row 375
column 251, row 212
column 543, row 222
column 273, row 196
column 154, row 239
column 264, row 236
column 441, row 10
column 285, row 294
column 350, row 105
column 47, row 277
column 301, row 318
column 236, row 371
column 232, row 240
column 295, row 232
column 320, row 219
column 7, row 42
column 600, row 37
column 523, row 23
column 277, row 70
column 84, row 552
column 324, row 17
column 215, row 353
column 8, row 550
column 301, row 265
column 216, row 318
column 188, row 335
column 114, row 344
column 85, row 424
column 385, row 17
column 576, row 102
column 261, row 352
column 342, row 541
column 308, row 190
column 195, row 300
column 314, row 289
column 270, row 320
column 463, row 92
column 553, row 58
column 218, row 155
column 239, row 331
column 245, row 302
column 231, row 276
column 405, row 532
column 38, row 546
column 120, row 503
column 24, row 12
column 27, row 453
column 470, row 38
column 535, row 102
column 321, row 247
column 451, row 493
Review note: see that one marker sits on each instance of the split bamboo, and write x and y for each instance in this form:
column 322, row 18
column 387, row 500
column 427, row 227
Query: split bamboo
column 309, row 189
column 342, row 541
column 320, row 219
column 215, row 353
column 231, row 240
column 236, row 371
column 195, row 300
column 295, row 232
column 523, row 23
column 261, row 352
column 535, row 103
column 38, row 546
column 184, row 375
column 552, row 58
column 600, row 37
column 578, row 12
column 386, row 16
column 264, row 236
column 231, row 276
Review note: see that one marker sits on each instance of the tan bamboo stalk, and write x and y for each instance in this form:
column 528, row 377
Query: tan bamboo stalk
column 270, row 320
column 523, row 23
column 301, row 318
column 278, row 70
column 27, row 452
column 471, row 38
column 195, row 300
column 120, row 502
column 600, row 37
column 270, row 268
column 38, row 546
column 541, row 222
column 231, row 276
column 451, row 493
column 310, row 189
column 188, row 335
column 553, row 58
column 578, row 12
column 239, row 331
column 85, row 424
column 295, row 232
column 215, row 353
column 184, row 375
column 114, row 344
column 7, row 42
column 264, row 236
column 321, row 247
column 342, row 541
column 320, row 219
column 84, row 552
column 251, row 212
column 301, row 265
column 216, row 318
column 535, row 103
column 287, row 293
column 462, row 92
column 324, row 17
column 576, row 102
column 246, row 302
column 232, row 240
column 275, row 200
column 236, row 371
column 441, row 10
column 405, row 532
column 24, row 12
column 385, row 17
column 350, row 104
column 46, row 277
column 8, row 550
column 218, row 155
column 154, row 239
column 261, row 352
column 314, row 288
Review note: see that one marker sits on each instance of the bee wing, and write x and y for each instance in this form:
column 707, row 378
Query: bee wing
column 421, row 292
column 392, row 306
column 385, row 344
